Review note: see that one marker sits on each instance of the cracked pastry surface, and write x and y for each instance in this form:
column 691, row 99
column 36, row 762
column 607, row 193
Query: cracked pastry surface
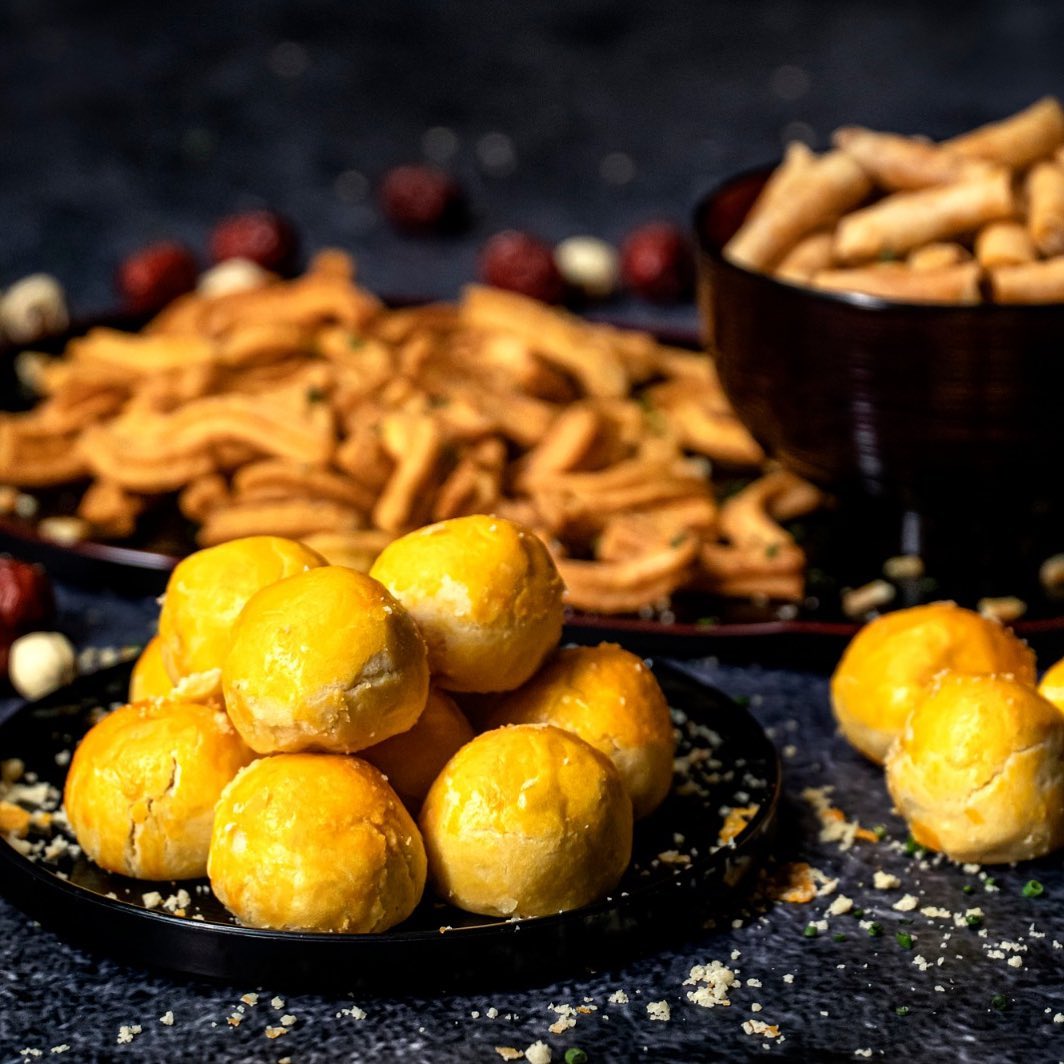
column 888, row 665
column 609, row 698
column 978, row 770
column 324, row 660
column 526, row 820
column 142, row 786
column 486, row 595
column 208, row 589
column 315, row 842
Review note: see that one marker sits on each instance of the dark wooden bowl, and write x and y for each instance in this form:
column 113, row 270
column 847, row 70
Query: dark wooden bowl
column 944, row 421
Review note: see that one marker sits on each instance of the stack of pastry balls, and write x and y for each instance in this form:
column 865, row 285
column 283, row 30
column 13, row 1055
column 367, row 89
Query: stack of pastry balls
column 273, row 668
column 949, row 701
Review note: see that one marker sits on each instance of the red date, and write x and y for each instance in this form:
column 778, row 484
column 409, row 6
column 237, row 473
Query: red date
column 422, row 199
column 27, row 602
column 264, row 237
column 522, row 263
column 657, row 263
column 150, row 278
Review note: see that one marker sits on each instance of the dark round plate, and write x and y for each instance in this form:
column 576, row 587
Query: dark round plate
column 679, row 877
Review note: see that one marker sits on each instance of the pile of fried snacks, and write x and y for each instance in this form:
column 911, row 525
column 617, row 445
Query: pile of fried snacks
column 307, row 409
column 979, row 217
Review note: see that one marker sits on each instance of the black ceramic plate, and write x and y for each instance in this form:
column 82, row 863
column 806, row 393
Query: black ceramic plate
column 724, row 759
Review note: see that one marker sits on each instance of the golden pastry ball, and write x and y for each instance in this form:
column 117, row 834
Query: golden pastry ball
column 315, row 842
column 889, row 663
column 208, row 589
column 324, row 660
column 486, row 595
column 978, row 770
column 149, row 678
column 1052, row 686
column 142, row 786
column 413, row 759
column 526, row 820
column 611, row 700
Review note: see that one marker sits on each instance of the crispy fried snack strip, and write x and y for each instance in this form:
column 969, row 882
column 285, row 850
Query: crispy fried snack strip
column 906, row 220
column 357, row 550
column 1026, row 137
column 831, row 185
column 749, row 519
column 110, row 509
column 798, row 159
column 139, row 354
column 955, row 284
column 557, row 337
column 295, row 518
column 203, row 495
column 1045, row 208
column 1035, row 282
column 703, row 422
column 812, row 253
column 939, row 256
column 474, row 485
column 417, row 447
column 627, row 535
column 565, row 445
column 36, row 461
column 620, row 587
column 1004, row 244
column 277, row 478
column 901, row 163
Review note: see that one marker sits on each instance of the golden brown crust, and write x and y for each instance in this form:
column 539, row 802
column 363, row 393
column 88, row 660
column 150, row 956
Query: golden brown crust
column 525, row 821
column 143, row 783
column 315, row 842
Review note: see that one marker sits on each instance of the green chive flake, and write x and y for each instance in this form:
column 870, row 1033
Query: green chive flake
column 1033, row 889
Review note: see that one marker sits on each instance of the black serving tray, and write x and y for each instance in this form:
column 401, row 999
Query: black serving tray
column 439, row 946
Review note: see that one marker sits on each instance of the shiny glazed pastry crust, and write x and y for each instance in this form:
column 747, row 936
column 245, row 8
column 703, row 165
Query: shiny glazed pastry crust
column 142, row 786
column 312, row 842
column 324, row 660
column 525, row 821
column 486, row 595
column 889, row 663
column 978, row 771
column 207, row 591
column 609, row 698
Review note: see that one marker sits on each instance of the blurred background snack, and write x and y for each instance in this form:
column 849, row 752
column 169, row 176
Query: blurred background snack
column 485, row 594
column 610, row 699
column 324, row 660
column 143, row 783
column 887, row 668
column 524, row 821
column 977, row 770
column 315, row 842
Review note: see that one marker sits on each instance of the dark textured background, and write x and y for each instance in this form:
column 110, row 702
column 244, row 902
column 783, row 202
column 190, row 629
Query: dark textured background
column 123, row 123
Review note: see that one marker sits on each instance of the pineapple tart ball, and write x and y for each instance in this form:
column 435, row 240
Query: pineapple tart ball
column 207, row 591
column 315, row 842
column 889, row 663
column 485, row 593
column 150, row 678
column 413, row 759
column 142, row 786
column 611, row 700
column 526, row 820
column 1052, row 686
column 978, row 770
column 324, row 660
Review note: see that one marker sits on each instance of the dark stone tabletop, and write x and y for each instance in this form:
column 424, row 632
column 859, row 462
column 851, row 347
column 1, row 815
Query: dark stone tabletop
column 126, row 122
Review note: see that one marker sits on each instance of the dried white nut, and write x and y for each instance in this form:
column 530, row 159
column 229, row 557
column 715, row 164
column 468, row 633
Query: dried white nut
column 232, row 275
column 904, row 567
column 30, row 368
column 40, row 662
column 1051, row 573
column 861, row 600
column 63, row 530
column 33, row 307
column 589, row 264
column 1004, row 609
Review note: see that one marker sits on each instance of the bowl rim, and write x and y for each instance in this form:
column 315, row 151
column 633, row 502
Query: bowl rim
column 856, row 300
